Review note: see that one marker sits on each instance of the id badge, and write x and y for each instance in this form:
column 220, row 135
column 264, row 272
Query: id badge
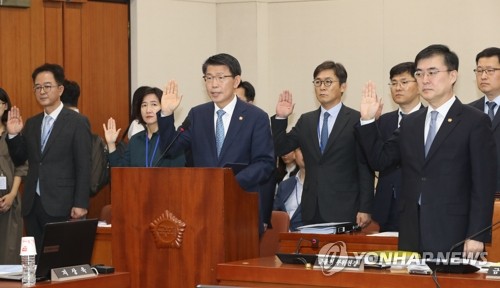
column 3, row 183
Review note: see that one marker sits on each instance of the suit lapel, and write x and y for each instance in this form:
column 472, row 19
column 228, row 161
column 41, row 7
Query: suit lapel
column 313, row 132
column 450, row 121
column 338, row 127
column 57, row 127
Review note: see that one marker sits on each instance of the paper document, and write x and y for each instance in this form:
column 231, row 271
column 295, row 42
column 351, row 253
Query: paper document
column 10, row 269
column 385, row 234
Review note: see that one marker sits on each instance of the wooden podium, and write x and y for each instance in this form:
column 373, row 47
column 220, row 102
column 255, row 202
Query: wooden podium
column 172, row 226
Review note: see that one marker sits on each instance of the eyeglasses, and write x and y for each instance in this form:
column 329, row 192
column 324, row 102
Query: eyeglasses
column 327, row 82
column 220, row 79
column 489, row 71
column 46, row 88
column 403, row 83
column 430, row 73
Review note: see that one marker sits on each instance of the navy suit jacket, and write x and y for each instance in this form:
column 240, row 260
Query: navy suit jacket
column 285, row 189
column 456, row 181
column 479, row 104
column 337, row 184
column 248, row 141
column 63, row 167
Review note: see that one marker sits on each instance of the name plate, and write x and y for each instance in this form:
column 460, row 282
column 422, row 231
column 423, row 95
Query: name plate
column 338, row 263
column 72, row 273
column 493, row 273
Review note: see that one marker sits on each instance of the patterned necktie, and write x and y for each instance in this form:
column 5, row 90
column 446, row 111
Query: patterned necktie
column 324, row 132
column 491, row 109
column 219, row 131
column 432, row 132
column 46, row 129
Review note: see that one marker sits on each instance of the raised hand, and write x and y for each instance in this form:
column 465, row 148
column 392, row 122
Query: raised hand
column 170, row 99
column 371, row 104
column 285, row 104
column 14, row 121
column 111, row 134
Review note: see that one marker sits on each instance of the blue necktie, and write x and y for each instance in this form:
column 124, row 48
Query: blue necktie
column 324, row 132
column 219, row 131
column 46, row 129
column 491, row 109
column 432, row 132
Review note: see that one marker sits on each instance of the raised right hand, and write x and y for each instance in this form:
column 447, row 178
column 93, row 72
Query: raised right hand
column 111, row 134
column 371, row 104
column 14, row 121
column 170, row 100
column 285, row 104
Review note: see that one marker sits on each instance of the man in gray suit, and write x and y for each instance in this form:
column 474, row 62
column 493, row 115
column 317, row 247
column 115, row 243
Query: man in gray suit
column 337, row 187
column 57, row 145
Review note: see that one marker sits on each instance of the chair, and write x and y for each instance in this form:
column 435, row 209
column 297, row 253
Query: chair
column 106, row 214
column 269, row 240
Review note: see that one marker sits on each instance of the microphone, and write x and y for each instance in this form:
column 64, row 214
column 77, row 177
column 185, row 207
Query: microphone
column 448, row 267
column 314, row 244
column 184, row 126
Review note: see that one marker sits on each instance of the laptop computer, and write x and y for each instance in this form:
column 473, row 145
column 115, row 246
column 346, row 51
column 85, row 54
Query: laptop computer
column 64, row 244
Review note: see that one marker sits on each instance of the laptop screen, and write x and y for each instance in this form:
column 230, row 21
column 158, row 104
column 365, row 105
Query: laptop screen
column 65, row 244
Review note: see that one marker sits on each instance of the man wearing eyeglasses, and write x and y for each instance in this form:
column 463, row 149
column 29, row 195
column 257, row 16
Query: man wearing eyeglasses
column 404, row 92
column 57, row 145
column 447, row 157
column 224, row 131
column 337, row 187
column 488, row 81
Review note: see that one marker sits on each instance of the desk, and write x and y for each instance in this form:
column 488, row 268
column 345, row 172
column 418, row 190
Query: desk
column 102, row 247
column 115, row 280
column 356, row 242
column 270, row 272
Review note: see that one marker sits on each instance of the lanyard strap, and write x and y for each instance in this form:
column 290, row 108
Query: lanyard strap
column 150, row 162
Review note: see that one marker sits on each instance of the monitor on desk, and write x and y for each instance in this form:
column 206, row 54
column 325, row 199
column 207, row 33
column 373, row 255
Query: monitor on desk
column 64, row 244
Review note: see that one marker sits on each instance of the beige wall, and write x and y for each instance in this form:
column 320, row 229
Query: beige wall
column 279, row 43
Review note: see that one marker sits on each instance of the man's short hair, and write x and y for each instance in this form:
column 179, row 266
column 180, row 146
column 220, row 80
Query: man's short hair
column 338, row 68
column 55, row 69
column 450, row 58
column 223, row 60
column 489, row 52
column 70, row 94
column 249, row 90
column 402, row 68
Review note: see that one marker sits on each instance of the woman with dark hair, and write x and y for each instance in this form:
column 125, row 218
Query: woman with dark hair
column 143, row 149
column 11, row 221
column 135, row 125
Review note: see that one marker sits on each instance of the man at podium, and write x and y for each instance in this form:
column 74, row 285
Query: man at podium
column 224, row 132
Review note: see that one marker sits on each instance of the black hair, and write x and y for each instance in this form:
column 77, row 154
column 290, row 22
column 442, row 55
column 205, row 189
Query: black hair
column 223, row 60
column 71, row 93
column 338, row 68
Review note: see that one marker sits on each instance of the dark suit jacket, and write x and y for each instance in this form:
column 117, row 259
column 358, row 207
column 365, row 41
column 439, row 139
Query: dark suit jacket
column 64, row 166
column 389, row 181
column 479, row 104
column 248, row 141
column 285, row 189
column 336, row 182
column 456, row 180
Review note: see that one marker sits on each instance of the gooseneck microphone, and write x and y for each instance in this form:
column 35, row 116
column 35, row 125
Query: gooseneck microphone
column 472, row 236
column 184, row 126
column 314, row 244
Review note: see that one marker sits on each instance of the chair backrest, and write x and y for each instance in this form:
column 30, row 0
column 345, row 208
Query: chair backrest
column 106, row 214
column 269, row 241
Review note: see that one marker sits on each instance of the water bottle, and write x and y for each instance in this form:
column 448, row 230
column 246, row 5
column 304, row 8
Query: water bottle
column 28, row 255
column 29, row 270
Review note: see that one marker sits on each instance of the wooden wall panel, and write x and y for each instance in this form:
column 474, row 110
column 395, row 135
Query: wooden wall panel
column 105, row 71
column 15, row 70
column 72, row 45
